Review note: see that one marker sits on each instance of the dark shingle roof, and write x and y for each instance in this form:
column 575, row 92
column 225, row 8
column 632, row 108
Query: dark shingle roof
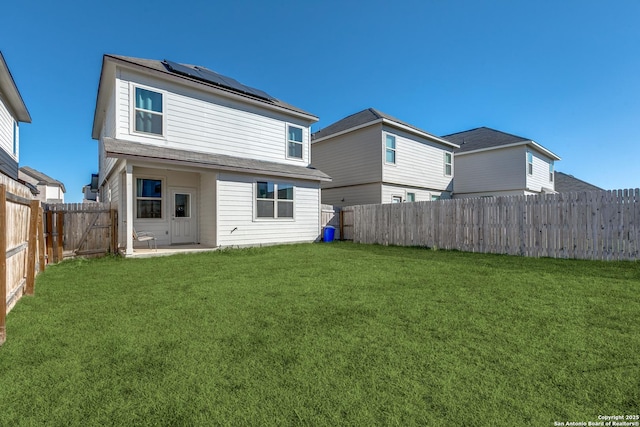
column 158, row 65
column 42, row 178
column 361, row 118
column 565, row 183
column 481, row 138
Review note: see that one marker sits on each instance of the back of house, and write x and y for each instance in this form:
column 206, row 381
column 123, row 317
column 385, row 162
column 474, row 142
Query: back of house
column 494, row 163
column 194, row 156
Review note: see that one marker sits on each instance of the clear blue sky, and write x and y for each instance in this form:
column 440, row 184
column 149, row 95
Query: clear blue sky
column 563, row 73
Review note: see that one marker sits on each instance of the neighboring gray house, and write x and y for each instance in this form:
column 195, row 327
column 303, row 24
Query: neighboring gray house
column 196, row 157
column 568, row 183
column 375, row 158
column 13, row 111
column 49, row 190
column 489, row 162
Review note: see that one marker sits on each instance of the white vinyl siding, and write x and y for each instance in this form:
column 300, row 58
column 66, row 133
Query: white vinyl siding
column 108, row 131
column 352, row 158
column 207, row 208
column 419, row 163
column 491, row 170
column 6, row 130
column 236, row 223
column 208, row 123
column 540, row 177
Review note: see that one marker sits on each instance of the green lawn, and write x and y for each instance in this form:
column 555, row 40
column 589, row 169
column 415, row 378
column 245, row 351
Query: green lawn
column 324, row 335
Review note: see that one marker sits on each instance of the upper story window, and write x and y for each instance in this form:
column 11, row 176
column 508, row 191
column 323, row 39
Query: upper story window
column 274, row 200
column 148, row 111
column 448, row 164
column 148, row 198
column 551, row 171
column 529, row 162
column 390, row 149
column 294, row 142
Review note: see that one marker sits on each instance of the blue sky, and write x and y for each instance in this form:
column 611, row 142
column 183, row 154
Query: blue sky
column 563, row 73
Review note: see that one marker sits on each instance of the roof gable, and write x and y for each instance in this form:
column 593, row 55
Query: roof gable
column 10, row 94
column 41, row 178
column 190, row 75
column 484, row 138
column 370, row 116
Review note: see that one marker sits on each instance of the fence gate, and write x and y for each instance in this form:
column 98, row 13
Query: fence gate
column 80, row 229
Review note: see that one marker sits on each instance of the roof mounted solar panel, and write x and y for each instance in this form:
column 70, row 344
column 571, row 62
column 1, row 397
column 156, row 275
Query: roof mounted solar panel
column 209, row 76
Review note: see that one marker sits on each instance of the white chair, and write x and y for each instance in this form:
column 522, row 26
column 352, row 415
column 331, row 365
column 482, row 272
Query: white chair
column 145, row 236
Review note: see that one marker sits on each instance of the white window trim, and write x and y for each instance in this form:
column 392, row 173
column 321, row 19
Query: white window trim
column 15, row 148
column 385, row 148
column 406, row 196
column 529, row 163
column 551, row 171
column 286, row 137
column 444, row 158
column 163, row 199
column 256, row 218
column 132, row 111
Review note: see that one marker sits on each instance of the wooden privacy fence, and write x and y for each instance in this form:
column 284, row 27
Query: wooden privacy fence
column 21, row 250
column 80, row 229
column 589, row 225
column 341, row 219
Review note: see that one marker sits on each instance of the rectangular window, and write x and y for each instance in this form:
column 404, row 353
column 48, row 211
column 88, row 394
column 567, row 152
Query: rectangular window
column 529, row 162
column 448, row 165
column 294, row 142
column 396, row 199
column 411, row 197
column 551, row 171
column 148, row 198
column 148, row 111
column 274, row 200
column 390, row 149
column 435, row 198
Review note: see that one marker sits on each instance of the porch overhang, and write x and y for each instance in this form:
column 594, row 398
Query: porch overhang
column 116, row 148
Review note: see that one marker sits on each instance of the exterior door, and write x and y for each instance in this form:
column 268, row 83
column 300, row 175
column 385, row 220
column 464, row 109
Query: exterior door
column 183, row 215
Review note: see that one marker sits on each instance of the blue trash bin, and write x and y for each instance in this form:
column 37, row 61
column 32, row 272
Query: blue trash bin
column 329, row 232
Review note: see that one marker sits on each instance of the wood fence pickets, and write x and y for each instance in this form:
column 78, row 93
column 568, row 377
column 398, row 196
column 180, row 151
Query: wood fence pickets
column 20, row 239
column 598, row 225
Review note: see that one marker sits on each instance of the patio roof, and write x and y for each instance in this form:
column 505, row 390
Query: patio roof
column 130, row 150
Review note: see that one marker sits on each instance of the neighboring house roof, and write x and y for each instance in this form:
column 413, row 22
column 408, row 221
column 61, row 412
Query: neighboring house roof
column 565, row 183
column 126, row 149
column 9, row 92
column 41, row 178
column 484, row 138
column 368, row 117
column 164, row 70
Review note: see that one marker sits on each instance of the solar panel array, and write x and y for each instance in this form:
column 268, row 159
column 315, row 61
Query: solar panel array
column 206, row 75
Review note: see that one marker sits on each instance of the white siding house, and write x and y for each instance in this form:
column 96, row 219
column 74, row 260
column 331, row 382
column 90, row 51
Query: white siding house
column 13, row 111
column 494, row 163
column 375, row 158
column 49, row 190
column 196, row 157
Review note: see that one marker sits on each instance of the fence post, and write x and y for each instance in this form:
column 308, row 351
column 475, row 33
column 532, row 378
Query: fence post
column 60, row 224
column 41, row 248
column 3, row 264
column 33, row 246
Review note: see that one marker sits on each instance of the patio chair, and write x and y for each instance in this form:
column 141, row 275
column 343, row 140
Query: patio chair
column 145, row 236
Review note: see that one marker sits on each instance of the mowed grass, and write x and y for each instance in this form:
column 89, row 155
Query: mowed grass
column 324, row 335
